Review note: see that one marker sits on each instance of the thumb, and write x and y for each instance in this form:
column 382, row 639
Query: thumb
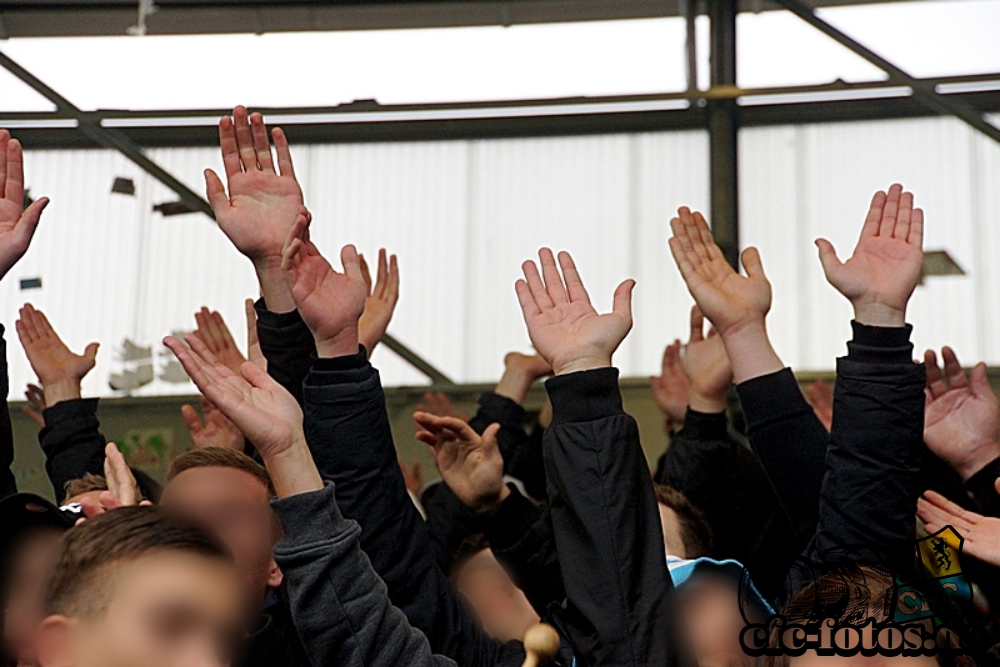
column 29, row 219
column 751, row 262
column 352, row 264
column 191, row 418
column 215, row 191
column 490, row 437
column 623, row 299
column 828, row 257
column 255, row 375
column 91, row 352
column 996, row 485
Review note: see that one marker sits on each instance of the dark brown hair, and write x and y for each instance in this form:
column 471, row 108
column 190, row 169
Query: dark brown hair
column 219, row 457
column 695, row 531
column 89, row 482
column 78, row 585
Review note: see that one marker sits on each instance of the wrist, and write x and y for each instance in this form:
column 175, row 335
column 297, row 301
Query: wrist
column 750, row 351
column 273, row 287
column 979, row 458
column 344, row 344
column 707, row 402
column 487, row 503
column 580, row 364
column 879, row 315
column 292, row 469
column 57, row 391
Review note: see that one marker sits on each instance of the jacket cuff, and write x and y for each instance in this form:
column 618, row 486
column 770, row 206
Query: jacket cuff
column 983, row 489
column 308, row 518
column 67, row 411
column 880, row 345
column 584, row 396
column 497, row 408
column 707, row 425
column 507, row 523
column 340, row 370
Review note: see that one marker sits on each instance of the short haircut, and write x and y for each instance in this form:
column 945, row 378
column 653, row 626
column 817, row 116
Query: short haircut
column 89, row 482
column 220, row 457
column 695, row 531
column 78, row 584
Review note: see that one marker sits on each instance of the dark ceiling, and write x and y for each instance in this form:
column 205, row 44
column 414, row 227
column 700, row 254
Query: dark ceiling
column 51, row 18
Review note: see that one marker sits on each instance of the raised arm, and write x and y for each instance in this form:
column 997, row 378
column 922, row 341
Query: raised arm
column 71, row 439
column 601, row 496
column 783, row 430
column 17, row 226
column 347, row 428
column 341, row 609
column 871, row 484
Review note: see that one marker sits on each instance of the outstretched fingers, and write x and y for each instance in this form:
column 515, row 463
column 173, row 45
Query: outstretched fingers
column 244, row 139
column 953, row 368
column 574, row 284
column 874, row 218
column 553, row 281
column 14, row 181
column 890, row 212
column 283, row 153
column 697, row 325
column 936, row 385
column 261, row 146
column 537, row 287
column 230, row 147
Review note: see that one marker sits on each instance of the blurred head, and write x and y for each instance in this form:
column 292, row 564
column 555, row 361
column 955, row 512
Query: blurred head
column 88, row 486
column 686, row 533
column 231, row 494
column 140, row 587
column 27, row 568
column 501, row 606
column 710, row 613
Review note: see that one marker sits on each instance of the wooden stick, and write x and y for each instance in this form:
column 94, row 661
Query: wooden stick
column 541, row 643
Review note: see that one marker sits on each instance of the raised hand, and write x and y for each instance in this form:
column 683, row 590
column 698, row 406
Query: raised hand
column 261, row 408
column 330, row 303
column 213, row 332
column 440, row 405
column 35, row 407
column 123, row 490
column 962, row 414
column 519, row 372
column 216, row 430
column 736, row 305
column 562, row 325
column 671, row 388
column 883, row 272
column 819, row 395
column 730, row 301
column 470, row 464
column 263, row 201
column 412, row 477
column 17, row 223
column 381, row 301
column 706, row 366
column 59, row 371
column 981, row 533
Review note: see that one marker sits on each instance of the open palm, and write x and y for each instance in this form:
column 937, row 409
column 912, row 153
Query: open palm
column 264, row 198
column 471, row 465
column 726, row 298
column 962, row 415
column 331, row 303
column 562, row 324
column 981, row 533
column 881, row 275
column 262, row 409
column 17, row 223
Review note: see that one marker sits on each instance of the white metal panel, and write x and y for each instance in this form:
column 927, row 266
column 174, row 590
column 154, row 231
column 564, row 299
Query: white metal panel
column 463, row 215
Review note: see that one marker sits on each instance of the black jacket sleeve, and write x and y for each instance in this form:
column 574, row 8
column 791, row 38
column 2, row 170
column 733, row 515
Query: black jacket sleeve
column 790, row 443
column 449, row 523
column 606, row 526
column 982, row 488
column 8, row 485
column 287, row 345
column 722, row 478
column 520, row 535
column 872, row 479
column 340, row 606
column 347, row 428
column 72, row 442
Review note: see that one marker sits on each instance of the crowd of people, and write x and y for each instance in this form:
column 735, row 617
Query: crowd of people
column 858, row 524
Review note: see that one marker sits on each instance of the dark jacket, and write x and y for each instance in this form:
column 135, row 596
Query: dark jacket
column 8, row 485
column 606, row 527
column 348, row 431
column 341, row 607
column 522, row 453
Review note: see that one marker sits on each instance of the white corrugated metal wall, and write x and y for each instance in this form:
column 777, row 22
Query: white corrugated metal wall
column 462, row 215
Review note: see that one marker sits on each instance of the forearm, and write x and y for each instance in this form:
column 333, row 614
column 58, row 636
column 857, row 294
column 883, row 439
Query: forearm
column 342, row 609
column 750, row 352
column 72, row 442
column 60, row 390
column 287, row 345
column 273, row 287
column 602, row 503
